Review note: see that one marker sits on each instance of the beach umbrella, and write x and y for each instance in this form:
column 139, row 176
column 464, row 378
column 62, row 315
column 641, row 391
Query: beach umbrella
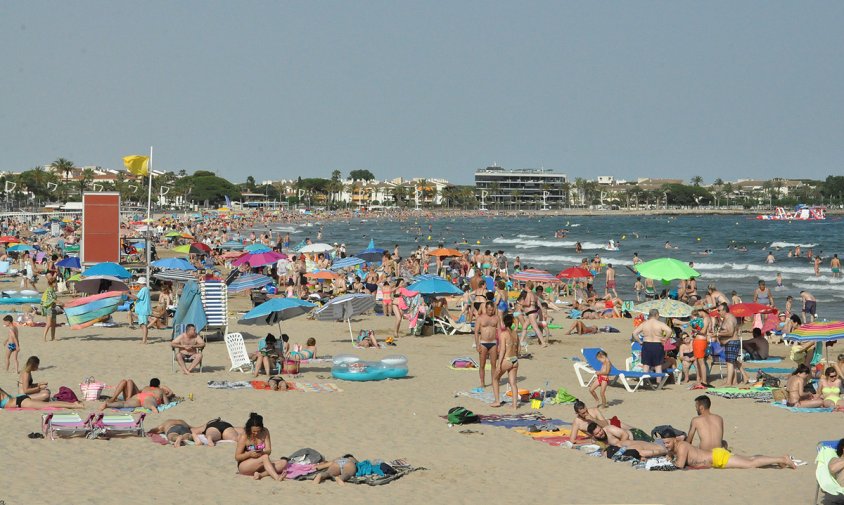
column 276, row 310
column 445, row 253
column 316, row 248
column 827, row 331
column 186, row 235
column 199, row 248
column 232, row 254
column 233, row 245
column 249, row 281
column 73, row 248
column 666, row 308
column 322, row 275
column 750, row 309
column 534, row 275
column 182, row 249
column 173, row 234
column 347, row 263
column 100, row 283
column 260, row 259
column 574, row 273
column 70, row 262
column 40, row 231
column 107, row 268
column 257, row 248
column 175, row 276
column 20, row 248
column 173, row 264
column 666, row 269
column 344, row 307
column 8, row 239
column 371, row 253
column 190, row 309
column 435, row 287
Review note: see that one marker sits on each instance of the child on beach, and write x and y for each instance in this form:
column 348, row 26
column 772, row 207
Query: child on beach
column 12, row 344
column 638, row 287
column 603, row 379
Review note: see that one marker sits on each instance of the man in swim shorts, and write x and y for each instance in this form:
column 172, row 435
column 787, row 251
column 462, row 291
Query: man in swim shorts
column 651, row 334
column 610, row 273
column 835, row 266
column 685, row 454
column 709, row 427
column 810, row 306
column 728, row 335
column 188, row 347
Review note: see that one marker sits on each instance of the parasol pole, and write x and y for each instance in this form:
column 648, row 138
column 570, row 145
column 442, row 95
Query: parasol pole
column 149, row 214
column 352, row 337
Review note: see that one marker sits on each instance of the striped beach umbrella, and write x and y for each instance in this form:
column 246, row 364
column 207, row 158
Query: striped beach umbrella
column 253, row 248
column 182, row 276
column 347, row 263
column 535, row 275
column 233, row 245
column 666, row 308
column 818, row 332
column 249, row 281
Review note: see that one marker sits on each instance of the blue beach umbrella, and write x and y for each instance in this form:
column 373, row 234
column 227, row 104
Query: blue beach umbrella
column 20, row 247
column 276, row 310
column 190, row 309
column 435, row 287
column 40, row 231
column 371, row 253
column 108, row 268
column 257, row 248
column 234, row 245
column 342, row 263
column 173, row 264
column 249, row 281
column 71, row 262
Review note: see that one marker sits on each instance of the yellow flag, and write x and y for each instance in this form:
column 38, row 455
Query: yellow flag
column 137, row 165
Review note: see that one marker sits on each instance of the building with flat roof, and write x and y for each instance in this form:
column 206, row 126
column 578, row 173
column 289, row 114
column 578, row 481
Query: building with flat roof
column 530, row 187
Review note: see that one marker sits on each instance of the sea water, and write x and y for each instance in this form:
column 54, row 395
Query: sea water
column 533, row 240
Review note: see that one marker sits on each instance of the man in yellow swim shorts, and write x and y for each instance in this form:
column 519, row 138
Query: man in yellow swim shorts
column 685, row 454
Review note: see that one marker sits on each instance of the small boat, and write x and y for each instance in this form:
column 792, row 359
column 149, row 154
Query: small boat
column 84, row 312
column 801, row 212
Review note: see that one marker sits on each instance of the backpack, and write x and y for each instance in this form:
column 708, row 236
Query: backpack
column 767, row 380
column 65, row 394
column 461, row 415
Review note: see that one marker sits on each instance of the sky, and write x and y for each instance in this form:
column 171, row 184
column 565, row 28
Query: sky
column 277, row 90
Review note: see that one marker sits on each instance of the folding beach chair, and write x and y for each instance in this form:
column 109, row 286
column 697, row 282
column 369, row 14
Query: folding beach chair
column 616, row 376
column 826, row 482
column 237, row 353
column 120, row 424
column 65, row 425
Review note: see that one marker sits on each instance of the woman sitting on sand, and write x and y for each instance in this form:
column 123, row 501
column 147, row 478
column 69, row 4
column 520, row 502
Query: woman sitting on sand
column 830, row 386
column 341, row 469
column 8, row 401
column 253, row 452
column 26, row 386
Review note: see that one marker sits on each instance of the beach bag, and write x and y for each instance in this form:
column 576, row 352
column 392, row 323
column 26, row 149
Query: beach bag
column 61, row 287
column 666, row 430
column 290, row 367
column 767, row 380
column 65, row 394
column 91, row 389
column 306, row 456
column 461, row 415
column 464, row 362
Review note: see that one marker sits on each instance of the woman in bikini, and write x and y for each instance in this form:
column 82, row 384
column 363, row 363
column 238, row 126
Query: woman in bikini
column 253, row 452
column 830, row 386
column 341, row 469
column 8, row 401
column 26, row 386
column 390, row 308
column 687, row 354
column 216, row 430
column 508, row 361
column 533, row 312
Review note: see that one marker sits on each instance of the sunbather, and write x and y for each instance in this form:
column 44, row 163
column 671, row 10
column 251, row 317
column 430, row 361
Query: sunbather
column 216, row 430
column 582, row 328
column 176, row 431
column 585, row 416
column 307, row 352
column 266, row 356
column 367, row 339
column 8, row 401
column 685, row 454
column 340, row 469
column 150, row 397
column 276, row 383
column 836, row 465
column 618, row 437
column 253, row 452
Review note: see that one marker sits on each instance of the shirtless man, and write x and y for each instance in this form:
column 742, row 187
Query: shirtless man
column 835, row 266
column 508, row 362
column 685, row 454
column 486, row 341
column 610, row 273
column 810, row 306
column 150, row 397
column 618, row 437
column 709, row 427
column 795, row 395
column 728, row 335
column 584, row 416
column 188, row 345
column 655, row 332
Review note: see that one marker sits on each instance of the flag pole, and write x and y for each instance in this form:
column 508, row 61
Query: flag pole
column 149, row 214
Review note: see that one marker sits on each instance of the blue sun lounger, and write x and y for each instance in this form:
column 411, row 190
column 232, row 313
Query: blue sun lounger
column 625, row 377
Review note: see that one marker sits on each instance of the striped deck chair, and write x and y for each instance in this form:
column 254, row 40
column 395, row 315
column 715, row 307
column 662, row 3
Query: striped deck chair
column 65, row 424
column 215, row 302
column 120, row 424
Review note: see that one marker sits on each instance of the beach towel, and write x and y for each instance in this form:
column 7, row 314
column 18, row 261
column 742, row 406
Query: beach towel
column 771, row 370
column 805, row 410
column 229, row 385
column 381, row 345
column 521, row 423
column 17, row 409
column 563, row 397
column 144, row 410
column 771, row 360
column 303, row 387
column 484, row 396
column 400, row 466
column 297, row 470
column 762, row 393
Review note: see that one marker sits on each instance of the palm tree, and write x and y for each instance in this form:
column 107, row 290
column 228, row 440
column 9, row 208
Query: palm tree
column 65, row 167
column 697, row 180
column 718, row 182
column 86, row 179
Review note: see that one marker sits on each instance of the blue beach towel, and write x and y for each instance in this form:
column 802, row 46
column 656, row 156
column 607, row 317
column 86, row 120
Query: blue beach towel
column 801, row 409
column 771, row 370
column 769, row 361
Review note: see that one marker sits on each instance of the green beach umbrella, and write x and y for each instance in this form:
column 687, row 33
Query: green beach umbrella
column 182, row 249
column 666, row 269
column 173, row 234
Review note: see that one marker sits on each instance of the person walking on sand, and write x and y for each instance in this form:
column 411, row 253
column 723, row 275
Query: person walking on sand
column 709, row 427
column 603, row 379
column 486, row 341
column 12, row 343
column 49, row 306
column 508, row 362
column 810, row 306
column 610, row 286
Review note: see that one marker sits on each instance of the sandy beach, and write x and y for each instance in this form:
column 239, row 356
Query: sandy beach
column 387, row 420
